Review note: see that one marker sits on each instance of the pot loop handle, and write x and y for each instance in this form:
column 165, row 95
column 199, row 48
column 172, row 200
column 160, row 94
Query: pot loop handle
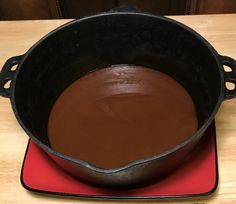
column 7, row 75
column 229, row 76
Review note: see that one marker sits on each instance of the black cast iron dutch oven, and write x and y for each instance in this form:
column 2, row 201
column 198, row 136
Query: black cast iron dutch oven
column 83, row 45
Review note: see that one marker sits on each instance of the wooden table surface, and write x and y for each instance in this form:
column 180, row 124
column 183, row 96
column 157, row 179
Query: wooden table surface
column 17, row 36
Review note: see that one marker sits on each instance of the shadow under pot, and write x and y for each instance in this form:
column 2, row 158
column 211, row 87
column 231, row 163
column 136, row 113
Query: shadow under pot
column 126, row 75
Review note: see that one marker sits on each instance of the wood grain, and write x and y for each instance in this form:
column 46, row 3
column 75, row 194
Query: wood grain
column 216, row 6
column 17, row 36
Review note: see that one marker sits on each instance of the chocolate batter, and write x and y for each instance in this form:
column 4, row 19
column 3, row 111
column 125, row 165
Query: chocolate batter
column 114, row 116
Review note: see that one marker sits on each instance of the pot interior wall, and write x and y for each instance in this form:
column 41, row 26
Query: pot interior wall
column 98, row 42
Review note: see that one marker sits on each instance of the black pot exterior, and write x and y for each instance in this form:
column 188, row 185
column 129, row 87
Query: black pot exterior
column 84, row 45
column 136, row 174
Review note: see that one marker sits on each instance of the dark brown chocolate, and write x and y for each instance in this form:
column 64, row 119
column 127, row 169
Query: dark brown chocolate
column 117, row 115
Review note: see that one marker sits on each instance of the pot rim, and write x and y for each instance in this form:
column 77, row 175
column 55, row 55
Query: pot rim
column 168, row 152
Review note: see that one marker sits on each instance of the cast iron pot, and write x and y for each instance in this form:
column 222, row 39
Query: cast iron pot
column 98, row 41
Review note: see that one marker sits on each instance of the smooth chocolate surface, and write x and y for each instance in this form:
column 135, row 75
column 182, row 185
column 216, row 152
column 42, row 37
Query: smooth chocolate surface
column 117, row 115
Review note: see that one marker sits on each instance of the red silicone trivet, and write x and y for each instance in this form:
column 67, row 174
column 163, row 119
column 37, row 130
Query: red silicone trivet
column 198, row 176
